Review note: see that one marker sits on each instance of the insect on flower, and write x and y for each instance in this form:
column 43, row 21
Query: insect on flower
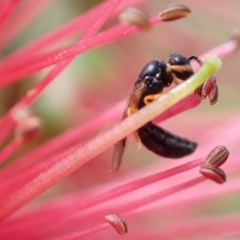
column 149, row 86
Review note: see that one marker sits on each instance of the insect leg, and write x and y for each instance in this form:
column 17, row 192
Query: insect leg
column 209, row 87
column 149, row 98
column 131, row 111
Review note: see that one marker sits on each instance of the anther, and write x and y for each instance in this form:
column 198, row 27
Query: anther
column 118, row 223
column 136, row 17
column 174, row 11
column 215, row 174
column 217, row 156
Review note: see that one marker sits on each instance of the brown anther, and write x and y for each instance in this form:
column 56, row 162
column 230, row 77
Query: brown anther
column 208, row 86
column 27, row 129
column 118, row 223
column 136, row 17
column 217, row 156
column 213, row 95
column 174, row 11
column 210, row 89
column 198, row 92
column 215, row 174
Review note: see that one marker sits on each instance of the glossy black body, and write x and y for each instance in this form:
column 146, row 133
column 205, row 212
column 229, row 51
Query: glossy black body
column 156, row 139
column 164, row 143
column 152, row 79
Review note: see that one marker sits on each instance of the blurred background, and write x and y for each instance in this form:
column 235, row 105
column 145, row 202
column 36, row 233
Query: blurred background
column 100, row 78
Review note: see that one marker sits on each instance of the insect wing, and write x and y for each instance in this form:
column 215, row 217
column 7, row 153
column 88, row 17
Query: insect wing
column 132, row 102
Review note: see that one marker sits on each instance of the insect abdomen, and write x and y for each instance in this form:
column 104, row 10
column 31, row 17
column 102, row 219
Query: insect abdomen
column 164, row 143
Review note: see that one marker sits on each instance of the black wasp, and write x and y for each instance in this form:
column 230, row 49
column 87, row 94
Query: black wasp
column 150, row 83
